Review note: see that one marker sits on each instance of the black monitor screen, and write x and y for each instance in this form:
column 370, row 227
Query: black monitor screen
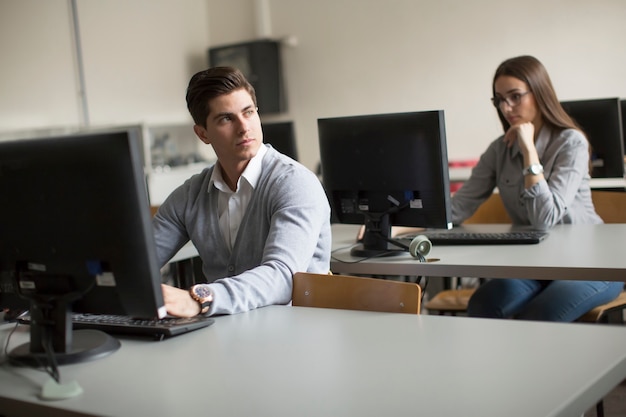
column 76, row 231
column 281, row 135
column 601, row 121
column 623, row 107
column 386, row 170
column 261, row 63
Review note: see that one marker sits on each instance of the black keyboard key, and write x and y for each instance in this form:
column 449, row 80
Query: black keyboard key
column 158, row 328
column 483, row 238
column 166, row 327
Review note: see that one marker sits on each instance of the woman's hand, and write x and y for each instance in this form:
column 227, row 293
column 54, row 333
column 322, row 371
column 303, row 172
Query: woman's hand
column 523, row 133
column 179, row 302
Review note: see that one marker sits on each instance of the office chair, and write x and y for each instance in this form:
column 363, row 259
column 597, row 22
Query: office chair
column 355, row 293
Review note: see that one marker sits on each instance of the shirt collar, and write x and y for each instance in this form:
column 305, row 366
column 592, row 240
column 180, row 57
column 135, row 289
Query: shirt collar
column 251, row 174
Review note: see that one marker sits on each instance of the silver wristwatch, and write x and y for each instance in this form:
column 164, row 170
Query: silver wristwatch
column 533, row 169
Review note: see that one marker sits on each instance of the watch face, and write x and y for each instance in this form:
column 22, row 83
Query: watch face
column 533, row 169
column 202, row 291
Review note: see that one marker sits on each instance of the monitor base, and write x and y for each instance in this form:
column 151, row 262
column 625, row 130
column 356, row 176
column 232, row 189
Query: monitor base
column 360, row 251
column 86, row 345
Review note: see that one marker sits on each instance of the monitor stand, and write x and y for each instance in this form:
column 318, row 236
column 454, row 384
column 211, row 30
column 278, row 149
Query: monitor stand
column 376, row 239
column 51, row 330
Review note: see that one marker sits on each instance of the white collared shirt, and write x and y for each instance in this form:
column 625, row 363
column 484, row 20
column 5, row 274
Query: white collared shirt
column 231, row 204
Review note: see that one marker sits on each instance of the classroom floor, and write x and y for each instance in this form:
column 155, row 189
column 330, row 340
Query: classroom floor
column 614, row 403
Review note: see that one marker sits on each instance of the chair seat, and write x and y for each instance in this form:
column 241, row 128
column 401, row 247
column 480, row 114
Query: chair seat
column 597, row 313
column 450, row 300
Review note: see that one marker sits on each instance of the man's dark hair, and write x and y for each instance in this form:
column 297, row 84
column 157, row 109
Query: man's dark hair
column 206, row 85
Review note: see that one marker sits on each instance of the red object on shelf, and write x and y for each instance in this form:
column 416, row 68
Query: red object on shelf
column 462, row 163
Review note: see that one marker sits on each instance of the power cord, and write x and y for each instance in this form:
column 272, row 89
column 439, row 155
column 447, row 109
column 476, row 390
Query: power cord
column 52, row 389
column 52, row 371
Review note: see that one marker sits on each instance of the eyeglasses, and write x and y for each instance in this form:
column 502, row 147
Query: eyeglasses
column 512, row 99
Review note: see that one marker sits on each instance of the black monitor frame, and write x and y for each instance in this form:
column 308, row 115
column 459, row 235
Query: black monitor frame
column 79, row 238
column 623, row 114
column 282, row 136
column 601, row 120
column 386, row 170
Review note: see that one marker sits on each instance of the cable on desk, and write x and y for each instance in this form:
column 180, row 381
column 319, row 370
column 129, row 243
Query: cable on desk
column 6, row 345
column 52, row 371
column 383, row 254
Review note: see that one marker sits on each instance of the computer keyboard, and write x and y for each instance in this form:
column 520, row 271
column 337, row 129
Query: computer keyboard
column 157, row 328
column 444, row 238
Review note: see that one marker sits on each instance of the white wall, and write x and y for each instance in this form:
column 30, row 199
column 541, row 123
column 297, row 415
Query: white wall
column 353, row 57
column 373, row 56
column 37, row 77
column 138, row 57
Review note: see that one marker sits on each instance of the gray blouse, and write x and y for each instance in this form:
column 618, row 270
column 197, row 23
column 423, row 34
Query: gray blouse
column 563, row 197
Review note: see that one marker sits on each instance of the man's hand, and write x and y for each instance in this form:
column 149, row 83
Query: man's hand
column 179, row 302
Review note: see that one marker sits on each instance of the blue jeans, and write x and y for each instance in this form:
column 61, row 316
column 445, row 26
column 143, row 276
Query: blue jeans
column 528, row 299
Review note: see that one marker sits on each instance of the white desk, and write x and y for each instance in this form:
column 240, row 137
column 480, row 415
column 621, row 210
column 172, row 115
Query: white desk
column 295, row 361
column 576, row 252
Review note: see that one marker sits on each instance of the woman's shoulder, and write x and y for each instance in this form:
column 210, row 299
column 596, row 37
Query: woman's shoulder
column 570, row 134
column 569, row 139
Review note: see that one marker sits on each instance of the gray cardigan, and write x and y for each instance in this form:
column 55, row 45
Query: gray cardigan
column 286, row 229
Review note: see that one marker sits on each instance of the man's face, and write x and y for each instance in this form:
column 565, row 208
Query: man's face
column 233, row 129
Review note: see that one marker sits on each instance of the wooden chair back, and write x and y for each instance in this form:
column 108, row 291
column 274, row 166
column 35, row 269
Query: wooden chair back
column 610, row 205
column 490, row 211
column 355, row 293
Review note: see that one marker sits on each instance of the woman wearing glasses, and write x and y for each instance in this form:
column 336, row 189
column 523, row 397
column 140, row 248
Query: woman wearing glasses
column 541, row 169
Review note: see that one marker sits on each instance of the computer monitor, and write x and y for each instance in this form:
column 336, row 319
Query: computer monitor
column 386, row 170
column 623, row 109
column 282, row 136
column 76, row 235
column 260, row 61
column 601, row 120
